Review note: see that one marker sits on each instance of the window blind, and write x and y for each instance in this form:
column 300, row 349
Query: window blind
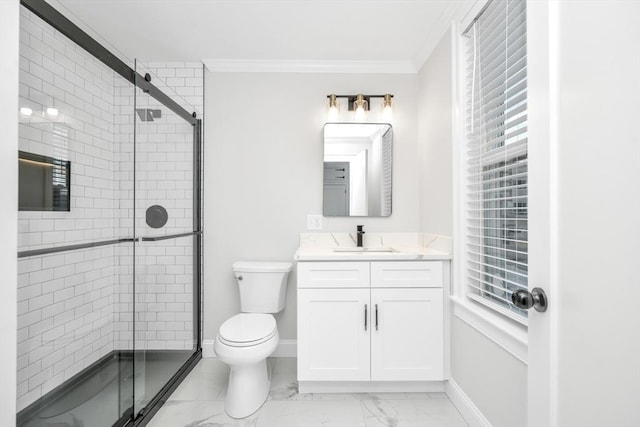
column 496, row 156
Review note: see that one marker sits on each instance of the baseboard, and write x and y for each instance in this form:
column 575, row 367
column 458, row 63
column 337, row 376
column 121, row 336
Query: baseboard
column 465, row 405
column 286, row 348
column 370, row 386
column 207, row 348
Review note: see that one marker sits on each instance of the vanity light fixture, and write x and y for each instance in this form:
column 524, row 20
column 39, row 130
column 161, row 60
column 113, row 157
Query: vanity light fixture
column 359, row 104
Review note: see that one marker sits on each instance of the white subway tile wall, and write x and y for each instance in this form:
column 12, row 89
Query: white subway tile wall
column 164, row 296
column 181, row 80
column 164, row 176
column 75, row 307
column 66, row 300
column 65, row 317
column 164, row 168
column 55, row 73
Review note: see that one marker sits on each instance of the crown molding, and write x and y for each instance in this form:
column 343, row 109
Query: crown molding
column 454, row 12
column 305, row 66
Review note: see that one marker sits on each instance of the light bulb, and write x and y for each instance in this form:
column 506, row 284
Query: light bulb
column 26, row 111
column 360, row 105
column 387, row 109
column 333, row 114
column 334, row 108
column 53, row 112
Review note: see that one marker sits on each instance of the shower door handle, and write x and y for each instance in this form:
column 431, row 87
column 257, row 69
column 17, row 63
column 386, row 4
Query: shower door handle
column 170, row 236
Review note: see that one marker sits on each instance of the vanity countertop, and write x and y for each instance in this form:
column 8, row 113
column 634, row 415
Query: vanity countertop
column 405, row 247
column 399, row 254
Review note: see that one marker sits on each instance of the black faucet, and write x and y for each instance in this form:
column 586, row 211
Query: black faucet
column 359, row 234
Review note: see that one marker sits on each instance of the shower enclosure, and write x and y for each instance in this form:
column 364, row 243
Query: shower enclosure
column 109, row 256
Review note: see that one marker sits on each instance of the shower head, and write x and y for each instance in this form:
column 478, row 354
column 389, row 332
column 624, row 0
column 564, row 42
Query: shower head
column 147, row 114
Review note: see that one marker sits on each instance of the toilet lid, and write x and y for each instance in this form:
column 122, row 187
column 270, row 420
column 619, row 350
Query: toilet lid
column 248, row 328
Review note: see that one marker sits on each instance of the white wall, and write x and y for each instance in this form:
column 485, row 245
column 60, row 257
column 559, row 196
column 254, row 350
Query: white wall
column 9, row 42
column 434, row 140
column 263, row 173
column 494, row 380
column 490, row 376
column 598, row 206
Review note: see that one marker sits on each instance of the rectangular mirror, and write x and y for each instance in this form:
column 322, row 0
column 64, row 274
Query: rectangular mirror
column 357, row 169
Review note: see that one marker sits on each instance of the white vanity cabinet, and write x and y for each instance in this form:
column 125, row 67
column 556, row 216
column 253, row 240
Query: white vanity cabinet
column 370, row 321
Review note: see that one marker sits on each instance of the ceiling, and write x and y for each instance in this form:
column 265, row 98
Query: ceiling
column 266, row 30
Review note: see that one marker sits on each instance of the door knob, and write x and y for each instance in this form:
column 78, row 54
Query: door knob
column 525, row 299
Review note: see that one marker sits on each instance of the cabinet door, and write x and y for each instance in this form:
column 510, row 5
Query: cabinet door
column 407, row 336
column 333, row 343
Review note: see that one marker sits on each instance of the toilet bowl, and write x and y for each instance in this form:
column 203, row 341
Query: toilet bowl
column 245, row 340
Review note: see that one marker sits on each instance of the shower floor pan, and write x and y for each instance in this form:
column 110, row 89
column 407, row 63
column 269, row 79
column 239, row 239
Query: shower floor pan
column 102, row 395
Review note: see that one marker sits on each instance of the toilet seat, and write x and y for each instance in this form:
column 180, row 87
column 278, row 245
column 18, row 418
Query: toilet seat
column 247, row 329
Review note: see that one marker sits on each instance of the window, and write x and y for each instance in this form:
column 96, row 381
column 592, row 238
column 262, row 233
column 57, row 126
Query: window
column 495, row 170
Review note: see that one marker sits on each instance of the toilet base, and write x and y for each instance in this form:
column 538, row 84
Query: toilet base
column 248, row 389
column 249, row 380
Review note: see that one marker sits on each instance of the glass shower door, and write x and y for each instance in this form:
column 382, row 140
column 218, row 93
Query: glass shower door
column 75, row 255
column 108, row 233
column 166, row 238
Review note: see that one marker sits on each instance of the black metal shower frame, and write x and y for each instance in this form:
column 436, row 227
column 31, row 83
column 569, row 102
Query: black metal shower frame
column 59, row 22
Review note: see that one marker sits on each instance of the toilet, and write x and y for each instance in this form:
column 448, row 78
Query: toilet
column 245, row 340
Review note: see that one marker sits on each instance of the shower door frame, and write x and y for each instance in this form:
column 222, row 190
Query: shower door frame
column 59, row 22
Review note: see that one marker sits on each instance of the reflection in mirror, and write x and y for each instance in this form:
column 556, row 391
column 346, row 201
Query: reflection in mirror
column 357, row 169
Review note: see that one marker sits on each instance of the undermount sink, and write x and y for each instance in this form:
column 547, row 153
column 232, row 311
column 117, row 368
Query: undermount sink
column 356, row 249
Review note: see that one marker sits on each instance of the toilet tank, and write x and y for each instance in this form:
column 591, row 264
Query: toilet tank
column 263, row 285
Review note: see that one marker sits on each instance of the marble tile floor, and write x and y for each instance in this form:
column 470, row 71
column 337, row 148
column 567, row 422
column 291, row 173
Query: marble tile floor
column 199, row 402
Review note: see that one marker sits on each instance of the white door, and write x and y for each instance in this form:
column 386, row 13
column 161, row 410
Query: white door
column 584, row 153
column 333, row 334
column 336, row 189
column 541, row 193
column 407, row 334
